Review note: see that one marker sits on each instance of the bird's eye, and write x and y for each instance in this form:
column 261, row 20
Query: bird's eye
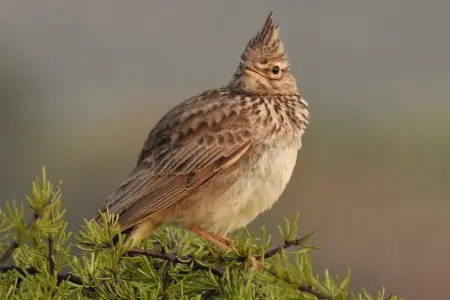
column 276, row 70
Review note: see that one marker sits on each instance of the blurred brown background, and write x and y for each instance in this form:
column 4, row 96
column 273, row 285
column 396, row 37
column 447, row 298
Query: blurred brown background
column 83, row 82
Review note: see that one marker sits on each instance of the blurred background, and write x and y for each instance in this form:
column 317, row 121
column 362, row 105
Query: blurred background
column 83, row 82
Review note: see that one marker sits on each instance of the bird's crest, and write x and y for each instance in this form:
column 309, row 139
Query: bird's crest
column 266, row 42
column 268, row 36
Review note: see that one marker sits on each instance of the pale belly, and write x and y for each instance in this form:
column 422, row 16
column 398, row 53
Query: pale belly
column 259, row 186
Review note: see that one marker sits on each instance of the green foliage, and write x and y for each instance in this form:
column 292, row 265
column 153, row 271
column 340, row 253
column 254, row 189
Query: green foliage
column 172, row 264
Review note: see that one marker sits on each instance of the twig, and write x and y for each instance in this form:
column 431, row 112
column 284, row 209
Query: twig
column 51, row 251
column 276, row 250
column 30, row 226
column 287, row 244
column 167, row 279
column 170, row 257
column 301, row 287
column 391, row 296
column 8, row 252
column 308, row 289
column 32, row 271
column 211, row 294
column 50, row 238
column 173, row 258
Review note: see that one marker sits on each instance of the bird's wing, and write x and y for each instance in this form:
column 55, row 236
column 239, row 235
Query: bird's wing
column 181, row 153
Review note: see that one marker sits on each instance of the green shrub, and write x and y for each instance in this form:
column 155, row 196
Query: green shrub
column 172, row 264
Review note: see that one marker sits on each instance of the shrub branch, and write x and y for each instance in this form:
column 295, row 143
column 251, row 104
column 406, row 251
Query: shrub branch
column 37, row 215
column 88, row 272
column 174, row 258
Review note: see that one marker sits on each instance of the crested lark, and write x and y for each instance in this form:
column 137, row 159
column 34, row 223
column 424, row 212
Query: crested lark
column 217, row 160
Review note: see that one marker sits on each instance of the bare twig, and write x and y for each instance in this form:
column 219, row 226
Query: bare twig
column 287, row 244
column 173, row 258
column 30, row 226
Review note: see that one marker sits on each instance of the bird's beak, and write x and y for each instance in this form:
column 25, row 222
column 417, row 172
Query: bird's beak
column 250, row 69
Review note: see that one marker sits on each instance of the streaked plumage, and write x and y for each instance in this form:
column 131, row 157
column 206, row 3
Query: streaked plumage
column 217, row 160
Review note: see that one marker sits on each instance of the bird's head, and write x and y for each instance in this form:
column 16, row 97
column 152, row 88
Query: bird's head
column 264, row 66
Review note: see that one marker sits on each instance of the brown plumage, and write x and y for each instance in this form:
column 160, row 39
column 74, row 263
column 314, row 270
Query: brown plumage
column 217, row 160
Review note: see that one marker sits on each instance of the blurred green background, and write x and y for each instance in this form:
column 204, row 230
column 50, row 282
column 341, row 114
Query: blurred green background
column 83, row 82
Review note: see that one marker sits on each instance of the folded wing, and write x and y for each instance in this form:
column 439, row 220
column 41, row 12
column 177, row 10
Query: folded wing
column 180, row 155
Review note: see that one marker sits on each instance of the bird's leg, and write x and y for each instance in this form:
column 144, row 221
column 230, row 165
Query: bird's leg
column 221, row 242
column 225, row 240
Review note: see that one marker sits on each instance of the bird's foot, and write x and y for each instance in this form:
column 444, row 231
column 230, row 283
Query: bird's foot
column 223, row 239
column 220, row 242
column 224, row 243
column 255, row 263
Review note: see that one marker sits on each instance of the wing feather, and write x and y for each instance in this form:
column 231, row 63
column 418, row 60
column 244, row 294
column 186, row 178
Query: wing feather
column 183, row 152
column 166, row 191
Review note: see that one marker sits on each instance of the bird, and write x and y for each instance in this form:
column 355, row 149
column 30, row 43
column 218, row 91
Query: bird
column 217, row 160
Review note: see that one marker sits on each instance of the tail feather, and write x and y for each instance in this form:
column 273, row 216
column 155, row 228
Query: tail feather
column 130, row 191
